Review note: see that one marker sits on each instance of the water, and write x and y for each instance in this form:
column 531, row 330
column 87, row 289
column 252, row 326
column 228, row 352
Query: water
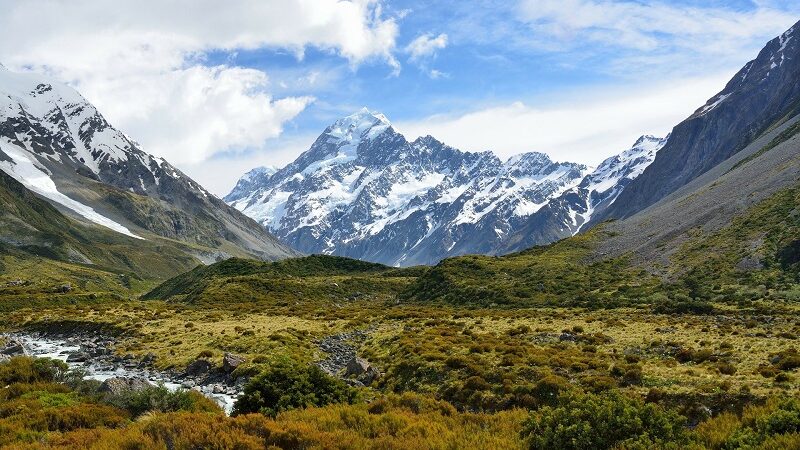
column 60, row 349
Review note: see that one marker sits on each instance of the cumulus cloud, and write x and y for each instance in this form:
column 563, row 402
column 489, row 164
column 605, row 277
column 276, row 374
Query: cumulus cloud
column 425, row 46
column 142, row 62
column 584, row 127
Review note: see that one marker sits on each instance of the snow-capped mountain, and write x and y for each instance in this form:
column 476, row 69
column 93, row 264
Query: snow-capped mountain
column 59, row 146
column 362, row 190
column 602, row 187
column 567, row 214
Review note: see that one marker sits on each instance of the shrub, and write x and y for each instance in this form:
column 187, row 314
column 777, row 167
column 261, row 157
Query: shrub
column 161, row 399
column 601, row 421
column 288, row 386
column 761, row 424
column 32, row 370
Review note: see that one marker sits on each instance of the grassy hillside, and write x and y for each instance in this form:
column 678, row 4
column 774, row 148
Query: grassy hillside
column 42, row 248
column 483, row 352
column 312, row 285
column 757, row 252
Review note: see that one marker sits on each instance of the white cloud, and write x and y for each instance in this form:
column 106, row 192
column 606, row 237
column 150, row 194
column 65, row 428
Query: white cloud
column 652, row 35
column 582, row 127
column 425, row 46
column 220, row 174
column 187, row 115
column 645, row 26
column 141, row 62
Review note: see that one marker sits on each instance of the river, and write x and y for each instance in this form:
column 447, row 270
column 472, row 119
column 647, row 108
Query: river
column 60, row 349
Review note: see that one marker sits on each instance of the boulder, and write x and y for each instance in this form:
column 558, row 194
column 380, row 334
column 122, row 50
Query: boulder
column 13, row 347
column 356, row 366
column 119, row 385
column 198, row 367
column 230, row 362
column 77, row 357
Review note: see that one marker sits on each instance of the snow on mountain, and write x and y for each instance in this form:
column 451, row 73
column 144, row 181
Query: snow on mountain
column 607, row 181
column 23, row 169
column 59, row 146
column 61, row 113
column 568, row 213
column 362, row 190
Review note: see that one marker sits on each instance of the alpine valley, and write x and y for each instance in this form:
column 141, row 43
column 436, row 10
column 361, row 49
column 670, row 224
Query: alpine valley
column 451, row 300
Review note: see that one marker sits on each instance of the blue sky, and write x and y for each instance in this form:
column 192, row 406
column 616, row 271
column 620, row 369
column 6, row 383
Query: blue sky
column 220, row 91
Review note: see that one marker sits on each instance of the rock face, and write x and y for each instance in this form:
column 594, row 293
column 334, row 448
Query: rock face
column 119, row 385
column 363, row 191
column 59, row 146
column 764, row 91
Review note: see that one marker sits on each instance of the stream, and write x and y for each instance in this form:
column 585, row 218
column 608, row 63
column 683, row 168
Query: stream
column 101, row 369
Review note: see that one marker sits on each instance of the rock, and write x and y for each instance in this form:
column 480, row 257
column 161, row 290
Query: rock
column 568, row 337
column 64, row 288
column 356, row 366
column 230, row 362
column 188, row 384
column 13, row 348
column 354, row 383
column 198, row 367
column 118, row 385
column 217, row 389
column 77, row 357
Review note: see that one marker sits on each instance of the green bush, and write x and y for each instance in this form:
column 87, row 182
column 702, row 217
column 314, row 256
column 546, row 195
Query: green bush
column 161, row 399
column 601, row 421
column 780, row 418
column 288, row 386
column 32, row 370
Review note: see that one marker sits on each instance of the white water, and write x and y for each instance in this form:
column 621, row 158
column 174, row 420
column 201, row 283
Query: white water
column 44, row 347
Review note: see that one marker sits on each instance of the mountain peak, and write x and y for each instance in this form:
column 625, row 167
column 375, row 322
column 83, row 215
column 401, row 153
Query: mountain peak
column 259, row 171
column 647, row 141
column 363, row 124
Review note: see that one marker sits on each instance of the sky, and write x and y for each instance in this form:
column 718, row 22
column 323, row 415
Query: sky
column 218, row 88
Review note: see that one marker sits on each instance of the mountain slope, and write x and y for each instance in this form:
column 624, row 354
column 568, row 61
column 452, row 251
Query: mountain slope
column 764, row 92
column 59, row 146
column 362, row 190
column 44, row 248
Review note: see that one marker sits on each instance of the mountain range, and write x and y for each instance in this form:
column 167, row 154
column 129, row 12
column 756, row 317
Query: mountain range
column 364, row 191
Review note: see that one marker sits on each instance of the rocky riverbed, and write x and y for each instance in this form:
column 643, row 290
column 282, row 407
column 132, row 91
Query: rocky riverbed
column 95, row 355
column 342, row 360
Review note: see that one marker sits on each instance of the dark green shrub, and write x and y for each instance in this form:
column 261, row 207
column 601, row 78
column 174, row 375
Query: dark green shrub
column 602, row 421
column 161, row 399
column 288, row 386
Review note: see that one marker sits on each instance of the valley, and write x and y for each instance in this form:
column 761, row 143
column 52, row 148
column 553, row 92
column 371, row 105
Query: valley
column 386, row 293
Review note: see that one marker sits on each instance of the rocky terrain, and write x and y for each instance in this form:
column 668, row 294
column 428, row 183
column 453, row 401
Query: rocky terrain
column 764, row 92
column 94, row 354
